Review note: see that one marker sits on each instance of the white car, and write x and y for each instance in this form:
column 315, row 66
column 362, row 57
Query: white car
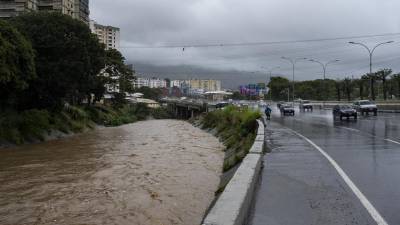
column 305, row 105
column 366, row 106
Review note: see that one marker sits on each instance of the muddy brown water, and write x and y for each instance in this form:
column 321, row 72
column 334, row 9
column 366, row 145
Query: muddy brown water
column 156, row 172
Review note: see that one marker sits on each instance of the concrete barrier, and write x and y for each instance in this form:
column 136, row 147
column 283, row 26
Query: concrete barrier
column 233, row 205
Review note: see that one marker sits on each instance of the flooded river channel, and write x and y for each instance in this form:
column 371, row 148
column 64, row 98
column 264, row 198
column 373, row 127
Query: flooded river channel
column 157, row 172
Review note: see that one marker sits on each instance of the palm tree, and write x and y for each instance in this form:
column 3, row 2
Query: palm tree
column 382, row 75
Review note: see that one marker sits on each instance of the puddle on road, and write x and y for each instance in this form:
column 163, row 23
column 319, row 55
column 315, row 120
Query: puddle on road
column 156, row 172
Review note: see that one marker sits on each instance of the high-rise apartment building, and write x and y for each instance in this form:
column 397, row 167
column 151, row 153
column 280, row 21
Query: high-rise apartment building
column 66, row 7
column 108, row 35
column 78, row 9
column 81, row 10
column 11, row 8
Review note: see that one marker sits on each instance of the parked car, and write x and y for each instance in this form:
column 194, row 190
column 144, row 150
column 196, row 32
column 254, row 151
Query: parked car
column 344, row 111
column 305, row 105
column 287, row 109
column 279, row 104
column 366, row 106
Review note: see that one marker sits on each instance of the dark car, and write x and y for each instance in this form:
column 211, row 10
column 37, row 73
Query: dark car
column 221, row 105
column 344, row 111
column 287, row 109
column 279, row 104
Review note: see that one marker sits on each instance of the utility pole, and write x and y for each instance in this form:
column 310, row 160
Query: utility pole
column 371, row 52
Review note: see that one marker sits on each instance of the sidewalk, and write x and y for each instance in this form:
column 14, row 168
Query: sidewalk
column 298, row 186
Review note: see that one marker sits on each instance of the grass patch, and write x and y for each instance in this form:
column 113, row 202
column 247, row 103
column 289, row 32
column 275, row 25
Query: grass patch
column 237, row 129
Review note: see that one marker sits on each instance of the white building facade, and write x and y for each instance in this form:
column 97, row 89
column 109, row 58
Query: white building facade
column 149, row 82
column 108, row 35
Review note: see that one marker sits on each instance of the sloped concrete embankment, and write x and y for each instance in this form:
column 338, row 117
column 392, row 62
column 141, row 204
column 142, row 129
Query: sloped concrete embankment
column 233, row 205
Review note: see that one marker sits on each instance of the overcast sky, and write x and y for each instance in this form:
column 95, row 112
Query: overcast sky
column 148, row 23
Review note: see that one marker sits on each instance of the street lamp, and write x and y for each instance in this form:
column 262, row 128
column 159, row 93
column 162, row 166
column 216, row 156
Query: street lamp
column 371, row 52
column 293, row 62
column 324, row 66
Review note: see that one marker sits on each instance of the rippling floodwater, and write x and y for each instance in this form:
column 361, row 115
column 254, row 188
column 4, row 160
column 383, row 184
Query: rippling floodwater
column 147, row 173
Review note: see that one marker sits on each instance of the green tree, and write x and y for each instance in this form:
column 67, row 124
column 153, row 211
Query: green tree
column 348, row 87
column 338, row 87
column 396, row 79
column 278, row 87
column 115, row 67
column 17, row 66
column 68, row 59
column 383, row 75
column 360, row 84
column 150, row 93
column 371, row 78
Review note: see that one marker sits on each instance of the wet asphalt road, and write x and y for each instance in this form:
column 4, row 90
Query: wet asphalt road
column 300, row 186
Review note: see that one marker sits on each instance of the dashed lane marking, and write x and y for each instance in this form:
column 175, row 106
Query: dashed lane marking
column 364, row 201
column 351, row 129
column 385, row 139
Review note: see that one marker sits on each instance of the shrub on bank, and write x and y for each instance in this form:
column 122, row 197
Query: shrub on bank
column 31, row 125
column 28, row 125
column 237, row 128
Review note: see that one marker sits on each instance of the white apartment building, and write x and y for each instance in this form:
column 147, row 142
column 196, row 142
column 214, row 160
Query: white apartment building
column 149, row 82
column 108, row 35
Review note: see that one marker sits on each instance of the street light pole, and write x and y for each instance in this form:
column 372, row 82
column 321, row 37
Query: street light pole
column 324, row 66
column 293, row 62
column 371, row 52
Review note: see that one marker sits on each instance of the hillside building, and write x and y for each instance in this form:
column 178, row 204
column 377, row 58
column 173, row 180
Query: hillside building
column 108, row 35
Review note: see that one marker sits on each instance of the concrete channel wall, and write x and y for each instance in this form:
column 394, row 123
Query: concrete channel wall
column 233, row 205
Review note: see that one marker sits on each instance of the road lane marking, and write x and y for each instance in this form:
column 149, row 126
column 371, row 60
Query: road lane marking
column 390, row 140
column 351, row 129
column 385, row 139
column 364, row 201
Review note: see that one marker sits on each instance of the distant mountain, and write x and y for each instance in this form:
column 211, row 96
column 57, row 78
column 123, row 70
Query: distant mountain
column 231, row 79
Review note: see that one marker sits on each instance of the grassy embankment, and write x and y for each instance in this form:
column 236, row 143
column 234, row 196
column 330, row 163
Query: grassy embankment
column 237, row 128
column 36, row 125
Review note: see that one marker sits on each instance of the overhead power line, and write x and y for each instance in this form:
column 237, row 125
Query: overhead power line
column 184, row 46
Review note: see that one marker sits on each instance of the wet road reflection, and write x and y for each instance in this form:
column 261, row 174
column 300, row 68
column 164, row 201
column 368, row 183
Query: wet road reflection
column 360, row 148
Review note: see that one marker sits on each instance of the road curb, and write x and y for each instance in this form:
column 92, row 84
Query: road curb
column 233, row 206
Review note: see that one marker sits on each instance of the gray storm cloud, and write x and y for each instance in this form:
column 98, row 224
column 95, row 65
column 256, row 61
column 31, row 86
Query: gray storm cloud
column 194, row 22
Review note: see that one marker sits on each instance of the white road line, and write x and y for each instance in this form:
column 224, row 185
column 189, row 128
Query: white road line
column 386, row 139
column 390, row 140
column 366, row 203
column 350, row 129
